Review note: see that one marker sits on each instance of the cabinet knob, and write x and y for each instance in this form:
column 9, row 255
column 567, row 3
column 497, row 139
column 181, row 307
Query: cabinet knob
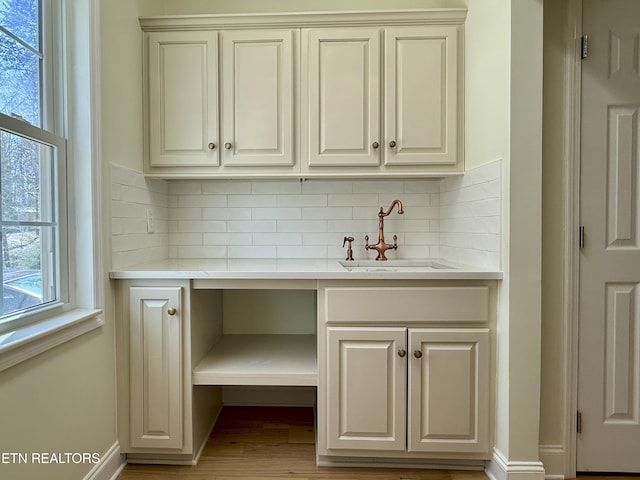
column 171, row 311
column 211, row 146
column 402, row 352
column 375, row 144
column 392, row 143
column 227, row 146
column 417, row 354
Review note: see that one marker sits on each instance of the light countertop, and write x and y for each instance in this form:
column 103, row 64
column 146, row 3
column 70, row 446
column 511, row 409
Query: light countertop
column 292, row 269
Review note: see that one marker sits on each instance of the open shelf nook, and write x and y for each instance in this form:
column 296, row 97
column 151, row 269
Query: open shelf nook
column 277, row 360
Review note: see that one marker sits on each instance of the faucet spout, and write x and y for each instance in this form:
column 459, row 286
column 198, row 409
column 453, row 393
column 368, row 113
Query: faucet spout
column 381, row 246
column 393, row 204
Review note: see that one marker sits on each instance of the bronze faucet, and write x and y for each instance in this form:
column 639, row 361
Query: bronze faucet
column 381, row 246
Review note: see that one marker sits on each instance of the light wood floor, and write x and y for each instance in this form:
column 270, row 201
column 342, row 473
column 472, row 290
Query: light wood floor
column 278, row 443
column 255, row 443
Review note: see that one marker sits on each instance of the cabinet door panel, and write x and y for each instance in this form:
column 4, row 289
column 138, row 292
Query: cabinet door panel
column 156, row 367
column 421, row 95
column 448, row 390
column 366, row 388
column 183, row 103
column 258, row 97
column 342, row 97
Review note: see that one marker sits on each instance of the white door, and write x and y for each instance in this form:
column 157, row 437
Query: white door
column 609, row 338
column 448, row 390
column 366, row 388
column 183, row 98
column 421, row 101
column 155, row 358
column 257, row 92
column 341, row 97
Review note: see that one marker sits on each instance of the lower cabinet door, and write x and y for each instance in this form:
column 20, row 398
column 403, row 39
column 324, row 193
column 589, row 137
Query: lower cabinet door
column 448, row 390
column 366, row 390
column 156, row 410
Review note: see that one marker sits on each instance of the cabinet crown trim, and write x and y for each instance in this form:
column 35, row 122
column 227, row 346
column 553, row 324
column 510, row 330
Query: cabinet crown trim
column 436, row 16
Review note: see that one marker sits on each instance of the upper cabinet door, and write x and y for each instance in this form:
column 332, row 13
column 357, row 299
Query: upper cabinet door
column 258, row 90
column 182, row 99
column 341, row 101
column 423, row 115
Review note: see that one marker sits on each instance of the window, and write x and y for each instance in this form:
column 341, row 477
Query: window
column 33, row 207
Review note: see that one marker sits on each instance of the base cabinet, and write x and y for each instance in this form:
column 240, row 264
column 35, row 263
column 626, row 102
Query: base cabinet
column 162, row 417
column 155, row 358
column 405, row 370
column 419, row 390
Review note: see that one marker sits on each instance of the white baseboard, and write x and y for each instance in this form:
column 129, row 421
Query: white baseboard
column 554, row 459
column 499, row 468
column 110, row 466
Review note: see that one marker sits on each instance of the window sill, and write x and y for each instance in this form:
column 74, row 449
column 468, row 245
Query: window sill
column 27, row 342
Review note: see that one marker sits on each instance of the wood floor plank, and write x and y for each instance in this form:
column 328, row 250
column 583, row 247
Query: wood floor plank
column 258, row 443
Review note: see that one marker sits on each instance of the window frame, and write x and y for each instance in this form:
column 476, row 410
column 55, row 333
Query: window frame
column 69, row 126
column 61, row 264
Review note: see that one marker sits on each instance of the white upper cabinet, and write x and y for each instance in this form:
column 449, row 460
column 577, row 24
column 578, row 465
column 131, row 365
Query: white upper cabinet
column 341, row 75
column 353, row 94
column 348, row 99
column 182, row 99
column 257, row 91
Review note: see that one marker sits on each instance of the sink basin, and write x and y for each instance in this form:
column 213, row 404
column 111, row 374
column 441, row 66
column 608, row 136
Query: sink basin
column 394, row 265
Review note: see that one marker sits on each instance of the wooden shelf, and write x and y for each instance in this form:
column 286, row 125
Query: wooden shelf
column 284, row 360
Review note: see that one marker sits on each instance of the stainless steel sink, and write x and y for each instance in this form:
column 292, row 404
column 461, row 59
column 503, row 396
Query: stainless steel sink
column 394, row 265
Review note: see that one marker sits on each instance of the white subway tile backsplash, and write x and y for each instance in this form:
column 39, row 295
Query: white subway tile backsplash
column 251, row 226
column 422, row 186
column 227, row 238
column 327, row 187
column 458, row 218
column 303, row 226
column 200, row 251
column 249, row 251
column 470, row 216
column 285, row 213
column 277, row 239
column 252, row 200
column 315, row 252
column 322, row 213
column 292, row 187
column 185, row 214
column 311, row 200
column 204, row 226
column 226, row 213
column 322, row 238
column 355, row 200
column 378, row 186
column 181, row 187
column 229, row 187
column 201, row 201
column 132, row 195
column 186, row 239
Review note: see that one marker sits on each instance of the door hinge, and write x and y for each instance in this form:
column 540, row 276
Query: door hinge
column 581, row 236
column 579, row 422
column 584, row 50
